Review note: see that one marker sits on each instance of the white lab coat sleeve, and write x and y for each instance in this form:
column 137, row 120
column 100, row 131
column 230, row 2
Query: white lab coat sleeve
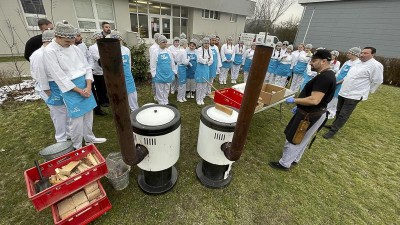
column 294, row 61
column 153, row 62
column 219, row 64
column 42, row 76
column 223, row 49
column 185, row 58
column 89, row 72
column 245, row 56
column 211, row 57
column 62, row 80
column 336, row 67
column 173, row 65
column 376, row 77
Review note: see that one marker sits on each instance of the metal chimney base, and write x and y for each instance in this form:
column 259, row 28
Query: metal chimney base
column 212, row 176
column 158, row 182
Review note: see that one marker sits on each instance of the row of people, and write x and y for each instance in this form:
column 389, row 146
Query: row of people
column 64, row 79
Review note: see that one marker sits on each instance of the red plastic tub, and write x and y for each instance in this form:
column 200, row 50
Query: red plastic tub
column 228, row 96
column 85, row 215
column 59, row 191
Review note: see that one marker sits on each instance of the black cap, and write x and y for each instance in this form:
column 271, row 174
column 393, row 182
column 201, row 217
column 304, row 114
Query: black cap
column 322, row 54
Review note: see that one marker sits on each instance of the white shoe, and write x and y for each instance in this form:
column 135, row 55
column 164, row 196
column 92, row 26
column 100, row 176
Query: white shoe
column 188, row 95
column 180, row 100
column 202, row 102
column 198, row 102
column 96, row 141
column 184, row 99
column 172, row 92
column 155, row 98
column 192, row 95
column 233, row 81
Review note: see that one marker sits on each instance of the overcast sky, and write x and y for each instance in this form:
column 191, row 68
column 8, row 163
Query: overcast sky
column 294, row 11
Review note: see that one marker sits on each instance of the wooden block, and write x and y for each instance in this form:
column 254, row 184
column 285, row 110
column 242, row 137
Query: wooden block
column 87, row 162
column 86, row 166
column 57, row 171
column 97, row 160
column 65, row 206
column 79, row 198
column 66, row 214
column 62, row 177
column 224, row 109
column 81, row 206
column 91, row 187
column 67, row 169
column 92, row 159
column 94, row 194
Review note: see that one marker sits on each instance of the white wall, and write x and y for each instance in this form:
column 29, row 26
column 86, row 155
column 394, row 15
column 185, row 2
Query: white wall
column 222, row 27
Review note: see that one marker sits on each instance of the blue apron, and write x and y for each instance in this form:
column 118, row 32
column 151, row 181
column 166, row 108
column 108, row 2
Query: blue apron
column 307, row 78
column 182, row 74
column 227, row 64
column 164, row 72
column 76, row 104
column 202, row 72
column 273, row 63
column 191, row 69
column 213, row 67
column 238, row 59
column 283, row 70
column 300, row 67
column 56, row 96
column 129, row 82
column 341, row 76
column 247, row 65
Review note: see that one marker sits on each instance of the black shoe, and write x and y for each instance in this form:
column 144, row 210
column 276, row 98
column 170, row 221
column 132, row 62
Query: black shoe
column 328, row 126
column 105, row 104
column 277, row 165
column 328, row 135
column 100, row 112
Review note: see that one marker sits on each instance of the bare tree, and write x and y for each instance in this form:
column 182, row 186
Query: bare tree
column 267, row 12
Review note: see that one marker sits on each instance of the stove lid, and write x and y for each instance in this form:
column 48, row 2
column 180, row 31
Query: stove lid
column 155, row 116
column 222, row 117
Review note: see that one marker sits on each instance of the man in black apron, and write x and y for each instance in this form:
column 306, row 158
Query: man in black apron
column 310, row 113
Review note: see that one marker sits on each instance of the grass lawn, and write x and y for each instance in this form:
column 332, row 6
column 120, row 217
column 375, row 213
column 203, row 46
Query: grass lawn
column 351, row 179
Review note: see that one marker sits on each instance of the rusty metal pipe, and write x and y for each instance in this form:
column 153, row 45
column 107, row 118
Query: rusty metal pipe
column 262, row 56
column 111, row 62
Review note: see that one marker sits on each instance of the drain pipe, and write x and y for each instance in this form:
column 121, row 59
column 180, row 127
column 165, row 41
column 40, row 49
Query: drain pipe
column 262, row 55
column 111, row 62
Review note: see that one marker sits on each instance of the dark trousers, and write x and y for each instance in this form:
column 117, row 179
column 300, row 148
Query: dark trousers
column 344, row 109
column 100, row 89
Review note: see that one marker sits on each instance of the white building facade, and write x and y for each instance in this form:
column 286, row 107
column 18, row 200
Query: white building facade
column 133, row 18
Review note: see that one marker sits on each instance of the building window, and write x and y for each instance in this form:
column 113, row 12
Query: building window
column 33, row 11
column 148, row 18
column 209, row 14
column 91, row 13
column 233, row 18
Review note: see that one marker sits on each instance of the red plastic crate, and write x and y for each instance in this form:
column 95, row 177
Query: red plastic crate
column 61, row 190
column 84, row 215
column 228, row 96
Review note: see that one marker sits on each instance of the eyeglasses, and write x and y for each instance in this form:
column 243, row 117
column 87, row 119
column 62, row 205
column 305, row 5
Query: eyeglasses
column 284, row 44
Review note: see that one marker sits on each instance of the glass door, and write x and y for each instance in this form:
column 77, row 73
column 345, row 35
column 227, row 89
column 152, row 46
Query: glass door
column 160, row 24
column 166, row 27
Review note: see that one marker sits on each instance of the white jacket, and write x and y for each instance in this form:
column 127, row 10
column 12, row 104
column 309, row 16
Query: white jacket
column 227, row 49
column 94, row 58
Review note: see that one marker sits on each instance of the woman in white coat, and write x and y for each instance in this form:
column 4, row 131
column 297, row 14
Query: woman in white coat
column 227, row 56
column 299, row 65
column 248, row 60
column 237, row 60
column 202, row 74
column 335, row 64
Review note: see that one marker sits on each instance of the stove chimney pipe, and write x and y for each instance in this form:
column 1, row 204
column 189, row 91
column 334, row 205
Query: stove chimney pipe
column 262, row 55
column 111, row 62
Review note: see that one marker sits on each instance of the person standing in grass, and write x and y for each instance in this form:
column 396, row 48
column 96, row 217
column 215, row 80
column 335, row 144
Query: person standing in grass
column 191, row 69
column 162, row 68
column 174, row 51
column 311, row 106
column 204, row 61
column 283, row 70
column 183, row 61
column 127, row 66
column 49, row 91
column 237, row 60
column 73, row 75
column 335, row 64
column 352, row 55
column 216, row 62
column 363, row 78
column 273, row 63
column 35, row 42
column 247, row 61
column 153, row 50
column 299, row 65
column 227, row 56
